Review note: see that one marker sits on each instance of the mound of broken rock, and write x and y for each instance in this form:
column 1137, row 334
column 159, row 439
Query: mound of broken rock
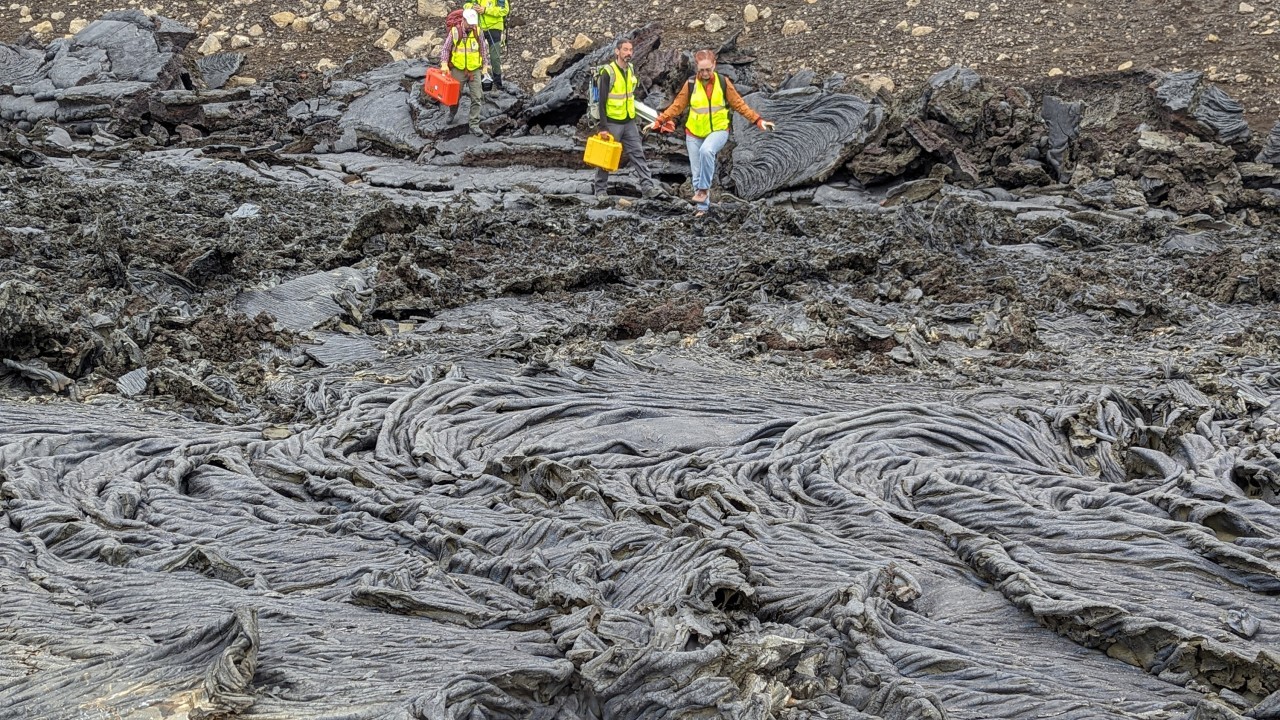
column 1124, row 139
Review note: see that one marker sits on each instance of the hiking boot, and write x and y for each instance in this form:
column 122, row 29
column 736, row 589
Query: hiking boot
column 475, row 130
column 453, row 115
column 655, row 191
column 602, row 197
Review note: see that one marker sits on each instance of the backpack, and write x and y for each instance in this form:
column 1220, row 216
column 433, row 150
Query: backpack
column 593, row 98
column 593, row 95
column 454, row 20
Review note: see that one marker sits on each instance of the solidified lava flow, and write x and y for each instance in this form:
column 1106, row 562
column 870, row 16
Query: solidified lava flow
column 959, row 405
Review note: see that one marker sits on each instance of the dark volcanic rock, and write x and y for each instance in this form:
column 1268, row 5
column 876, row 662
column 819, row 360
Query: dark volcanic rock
column 1063, row 122
column 217, row 69
column 1271, row 150
column 564, row 99
column 1201, row 108
column 817, row 132
column 350, row 435
column 92, row 75
column 19, row 67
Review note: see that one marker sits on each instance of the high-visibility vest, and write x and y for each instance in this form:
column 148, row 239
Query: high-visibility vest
column 466, row 51
column 621, row 103
column 493, row 14
column 707, row 114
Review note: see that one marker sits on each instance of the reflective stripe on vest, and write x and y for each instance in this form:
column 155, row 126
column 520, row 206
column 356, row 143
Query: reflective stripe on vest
column 707, row 114
column 466, row 52
column 621, row 103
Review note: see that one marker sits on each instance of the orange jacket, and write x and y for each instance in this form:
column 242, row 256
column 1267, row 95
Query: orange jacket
column 731, row 96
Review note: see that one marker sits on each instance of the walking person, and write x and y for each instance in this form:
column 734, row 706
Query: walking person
column 708, row 96
column 493, row 23
column 617, row 86
column 464, row 55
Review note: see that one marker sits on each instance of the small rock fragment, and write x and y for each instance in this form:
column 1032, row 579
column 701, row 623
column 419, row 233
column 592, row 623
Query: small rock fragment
column 432, row 8
column 417, row 46
column 388, row 39
column 876, row 82
column 210, row 45
column 794, row 27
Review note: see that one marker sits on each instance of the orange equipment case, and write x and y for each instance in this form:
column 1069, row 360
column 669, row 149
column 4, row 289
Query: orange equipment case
column 603, row 152
column 441, row 86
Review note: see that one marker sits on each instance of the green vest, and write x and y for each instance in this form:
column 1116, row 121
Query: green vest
column 621, row 103
column 707, row 114
column 466, row 52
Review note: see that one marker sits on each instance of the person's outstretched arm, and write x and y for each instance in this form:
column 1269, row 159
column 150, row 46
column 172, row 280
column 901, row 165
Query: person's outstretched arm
column 677, row 106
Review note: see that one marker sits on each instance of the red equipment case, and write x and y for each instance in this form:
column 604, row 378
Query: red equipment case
column 441, row 86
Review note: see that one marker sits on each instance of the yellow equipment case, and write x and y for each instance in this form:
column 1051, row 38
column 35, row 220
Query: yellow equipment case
column 603, row 152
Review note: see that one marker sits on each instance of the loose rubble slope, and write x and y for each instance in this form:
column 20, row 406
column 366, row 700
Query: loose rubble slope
column 902, row 41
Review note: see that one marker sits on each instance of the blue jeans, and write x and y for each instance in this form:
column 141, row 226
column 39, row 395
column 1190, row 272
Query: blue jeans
column 702, row 157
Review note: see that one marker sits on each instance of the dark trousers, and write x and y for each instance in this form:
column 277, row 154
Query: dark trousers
column 627, row 133
column 496, row 40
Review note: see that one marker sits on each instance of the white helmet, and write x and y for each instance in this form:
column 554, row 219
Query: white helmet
column 470, row 16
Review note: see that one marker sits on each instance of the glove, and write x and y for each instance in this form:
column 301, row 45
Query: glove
column 764, row 124
column 655, row 126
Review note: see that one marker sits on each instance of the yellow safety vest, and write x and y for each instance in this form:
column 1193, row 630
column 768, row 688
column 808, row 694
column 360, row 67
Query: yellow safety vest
column 621, row 103
column 493, row 14
column 707, row 114
column 466, row 51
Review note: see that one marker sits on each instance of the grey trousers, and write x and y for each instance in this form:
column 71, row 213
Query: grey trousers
column 474, row 90
column 627, row 133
